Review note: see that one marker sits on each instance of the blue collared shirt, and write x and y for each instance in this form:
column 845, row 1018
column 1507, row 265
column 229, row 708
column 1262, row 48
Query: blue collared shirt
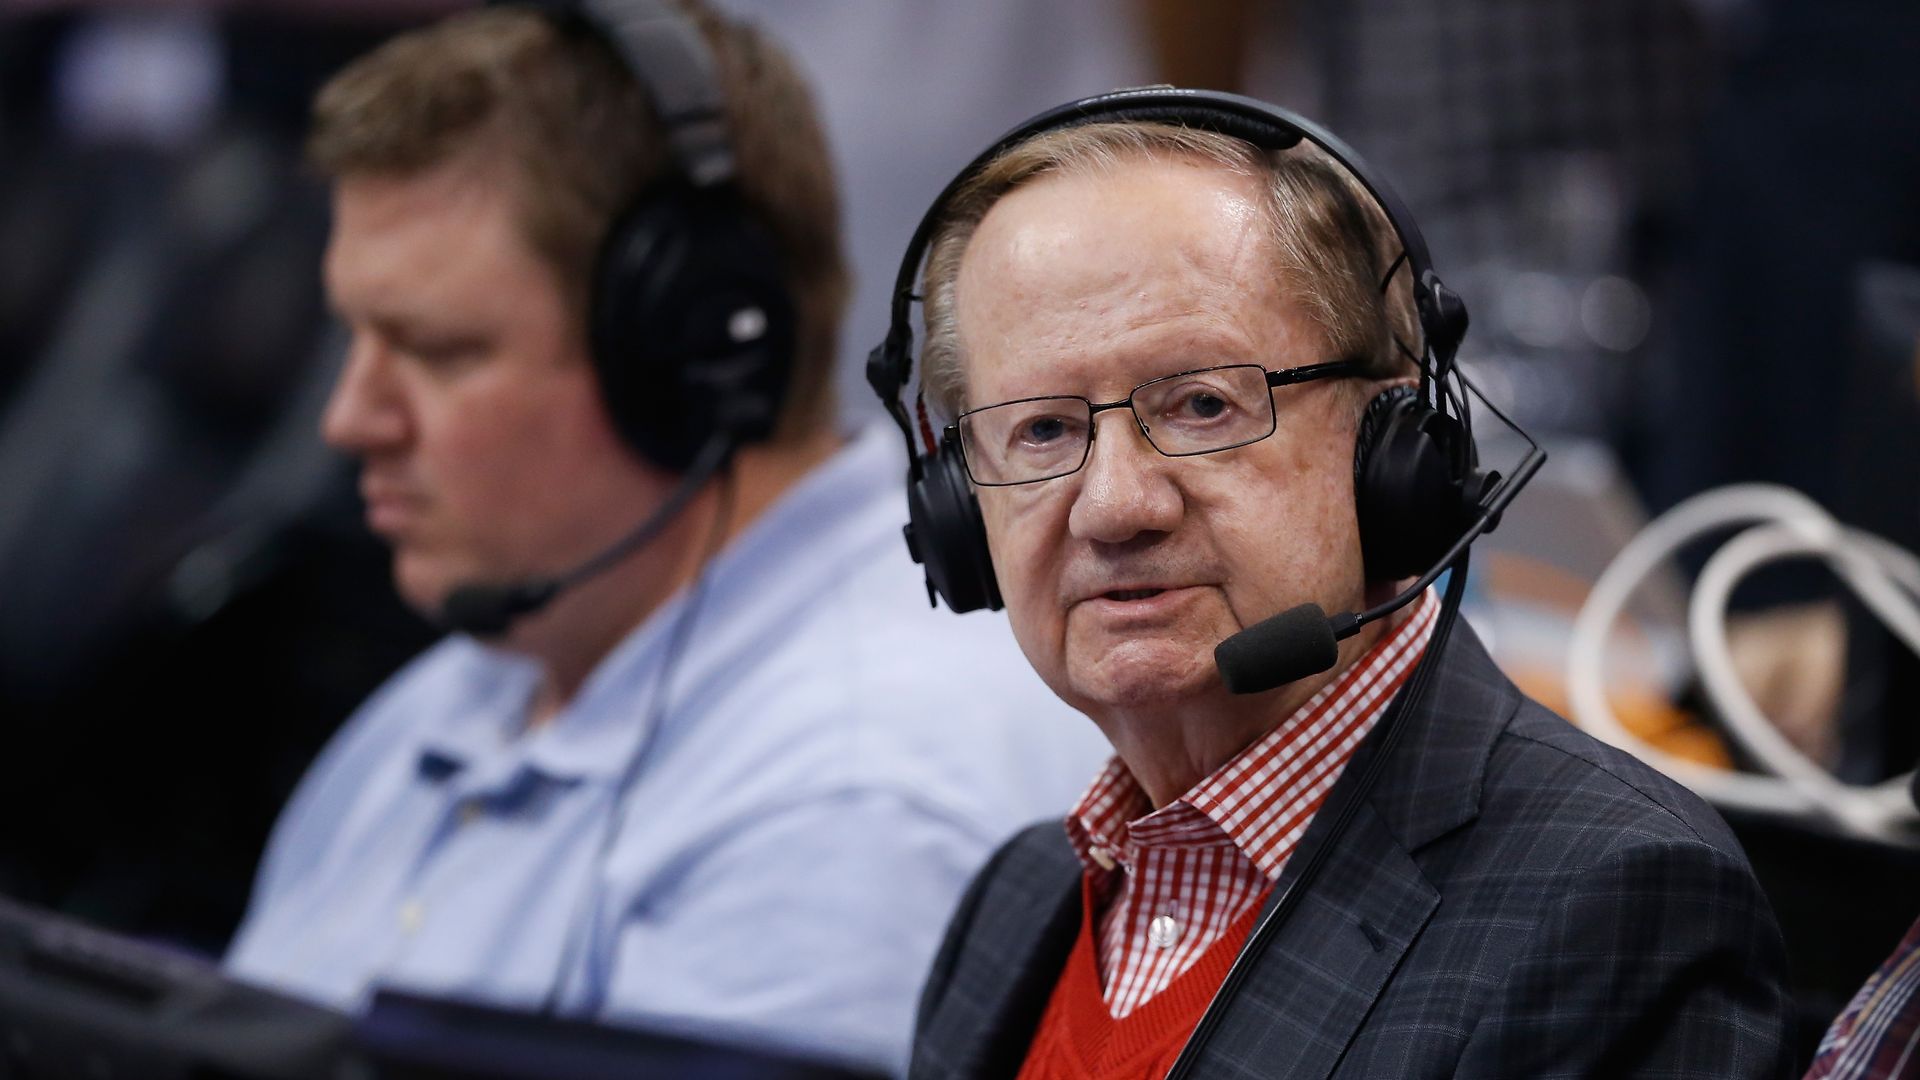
column 830, row 764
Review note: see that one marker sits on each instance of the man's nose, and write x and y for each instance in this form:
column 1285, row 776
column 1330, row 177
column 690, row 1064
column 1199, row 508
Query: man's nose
column 366, row 411
column 1126, row 488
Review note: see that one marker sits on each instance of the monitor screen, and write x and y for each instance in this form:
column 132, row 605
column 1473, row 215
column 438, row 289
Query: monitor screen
column 78, row 1001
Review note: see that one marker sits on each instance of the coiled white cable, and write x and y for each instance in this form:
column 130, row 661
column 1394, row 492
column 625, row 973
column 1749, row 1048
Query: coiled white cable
column 1887, row 579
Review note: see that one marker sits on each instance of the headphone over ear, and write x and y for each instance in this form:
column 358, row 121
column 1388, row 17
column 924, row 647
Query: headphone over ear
column 1414, row 484
column 946, row 534
column 690, row 321
column 1417, row 487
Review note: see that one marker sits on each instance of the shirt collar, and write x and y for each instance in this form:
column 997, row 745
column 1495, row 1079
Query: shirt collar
column 1261, row 800
column 479, row 707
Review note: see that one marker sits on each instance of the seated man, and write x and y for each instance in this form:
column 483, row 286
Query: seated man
column 1178, row 345
column 706, row 761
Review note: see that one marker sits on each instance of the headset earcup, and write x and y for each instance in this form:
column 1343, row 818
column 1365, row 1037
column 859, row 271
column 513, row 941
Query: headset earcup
column 946, row 534
column 691, row 326
column 1408, row 489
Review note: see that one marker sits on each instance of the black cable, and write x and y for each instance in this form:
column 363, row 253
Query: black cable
column 1393, row 268
column 1491, row 407
column 696, row 598
column 1386, row 736
column 678, row 636
column 714, row 458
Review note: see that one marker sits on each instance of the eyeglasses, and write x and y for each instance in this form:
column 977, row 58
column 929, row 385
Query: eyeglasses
column 1203, row 411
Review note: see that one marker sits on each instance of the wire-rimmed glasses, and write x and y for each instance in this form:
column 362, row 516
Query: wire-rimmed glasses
column 1203, row 411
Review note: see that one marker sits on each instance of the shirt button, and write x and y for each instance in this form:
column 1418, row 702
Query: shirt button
column 412, row 914
column 1163, row 931
column 469, row 811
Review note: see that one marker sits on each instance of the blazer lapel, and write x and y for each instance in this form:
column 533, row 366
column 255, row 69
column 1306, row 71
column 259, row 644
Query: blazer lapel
column 1319, row 975
column 1002, row 979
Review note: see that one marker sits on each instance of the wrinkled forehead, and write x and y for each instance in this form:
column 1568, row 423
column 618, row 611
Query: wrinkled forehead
column 1091, row 281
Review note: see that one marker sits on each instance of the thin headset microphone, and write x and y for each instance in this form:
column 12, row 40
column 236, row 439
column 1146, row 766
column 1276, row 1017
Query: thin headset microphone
column 1304, row 640
column 487, row 610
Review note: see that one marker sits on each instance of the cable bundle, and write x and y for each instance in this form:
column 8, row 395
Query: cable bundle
column 1785, row 525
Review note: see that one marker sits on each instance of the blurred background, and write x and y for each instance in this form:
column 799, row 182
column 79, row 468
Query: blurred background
column 1688, row 232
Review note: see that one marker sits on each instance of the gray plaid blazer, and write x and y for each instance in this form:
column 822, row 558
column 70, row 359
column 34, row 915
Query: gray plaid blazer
column 1513, row 899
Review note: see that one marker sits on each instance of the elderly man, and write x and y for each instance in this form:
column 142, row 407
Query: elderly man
column 1168, row 353
column 701, row 761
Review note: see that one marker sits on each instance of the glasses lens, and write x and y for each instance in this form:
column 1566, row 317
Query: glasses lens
column 1023, row 441
column 1202, row 411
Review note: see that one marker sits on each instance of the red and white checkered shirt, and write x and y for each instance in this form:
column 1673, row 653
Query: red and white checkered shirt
column 1187, row 871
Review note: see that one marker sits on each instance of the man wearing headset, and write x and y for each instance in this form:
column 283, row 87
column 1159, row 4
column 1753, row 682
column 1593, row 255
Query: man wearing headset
column 1162, row 349
column 724, row 774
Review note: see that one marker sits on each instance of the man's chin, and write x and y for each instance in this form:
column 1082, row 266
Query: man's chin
column 428, row 606
column 423, row 588
column 1137, row 675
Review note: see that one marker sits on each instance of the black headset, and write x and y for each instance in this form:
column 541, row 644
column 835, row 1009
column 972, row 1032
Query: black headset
column 1417, row 483
column 1421, row 497
column 691, row 323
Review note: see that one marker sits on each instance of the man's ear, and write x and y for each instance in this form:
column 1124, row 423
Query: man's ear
column 1410, row 479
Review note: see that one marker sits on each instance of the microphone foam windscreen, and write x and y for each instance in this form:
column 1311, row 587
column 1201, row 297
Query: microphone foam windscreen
column 1294, row 644
column 486, row 611
column 478, row 610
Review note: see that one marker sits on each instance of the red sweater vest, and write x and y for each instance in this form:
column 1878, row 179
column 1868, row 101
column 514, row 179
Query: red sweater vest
column 1078, row 1037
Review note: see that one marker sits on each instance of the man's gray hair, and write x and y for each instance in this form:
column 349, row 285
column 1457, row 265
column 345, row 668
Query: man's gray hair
column 1332, row 246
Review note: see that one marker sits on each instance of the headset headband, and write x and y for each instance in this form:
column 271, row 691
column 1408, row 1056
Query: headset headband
column 667, row 55
column 1443, row 318
column 1420, row 494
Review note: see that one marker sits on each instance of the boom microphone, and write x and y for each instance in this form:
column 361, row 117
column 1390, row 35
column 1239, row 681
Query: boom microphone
column 485, row 611
column 1294, row 644
column 1303, row 640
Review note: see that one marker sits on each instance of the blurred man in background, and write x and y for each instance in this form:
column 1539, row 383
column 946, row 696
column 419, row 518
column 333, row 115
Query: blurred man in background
column 729, row 785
